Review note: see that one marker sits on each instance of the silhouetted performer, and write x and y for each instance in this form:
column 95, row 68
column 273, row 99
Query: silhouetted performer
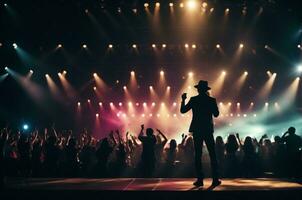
column 293, row 144
column 203, row 107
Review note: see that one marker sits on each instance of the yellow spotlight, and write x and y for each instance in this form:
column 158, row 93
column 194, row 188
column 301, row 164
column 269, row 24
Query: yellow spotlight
column 181, row 5
column 229, row 103
column 241, row 45
column 223, row 72
column 134, row 46
column 164, row 45
column 190, row 74
column 212, row 9
column 110, row 46
column 191, row 4
column 84, row 46
column 217, row 46
column 153, row 45
column 132, row 73
column 186, row 45
column 194, row 46
column 171, row 4
column 157, row 4
column 162, row 104
column 246, row 73
column 204, row 4
column 162, row 73
column 146, row 5
column 227, row 10
column 129, row 103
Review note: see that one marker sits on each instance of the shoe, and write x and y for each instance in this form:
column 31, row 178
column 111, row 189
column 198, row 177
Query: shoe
column 216, row 182
column 198, row 183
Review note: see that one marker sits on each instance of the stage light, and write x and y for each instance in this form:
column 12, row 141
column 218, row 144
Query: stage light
column 129, row 103
column 134, row 46
column 150, row 87
column 15, row 45
column 220, row 103
column 6, row 68
column 171, row 4
column 157, row 4
column 132, row 73
column 212, row 9
column 268, row 73
column 146, row 5
column 223, row 72
column 59, row 74
column 97, row 115
column 162, row 104
column 31, row 71
column 5, row 5
column 191, row 4
column 227, row 10
column 79, row 103
column 143, row 115
column 64, row 72
column 120, row 104
column 274, row 74
column 125, row 87
column 229, row 103
column 162, row 73
column 241, row 45
column 266, row 103
column 150, row 115
column 246, row 73
column 194, row 46
column 231, row 114
column 164, row 45
column 153, row 45
column 94, row 88
column 266, row 46
column 88, row 100
column 59, row 46
column 217, row 46
column 181, row 5
column 153, row 104
column 111, row 104
column 190, row 74
column 299, row 68
column 252, row 103
column 186, row 45
column 238, row 104
column 168, row 87
column 100, row 103
column 299, row 46
column 84, row 46
column 174, row 104
column 95, row 74
column 244, row 115
column 110, row 46
column 25, row 127
column 137, row 104
column 144, row 104
column 46, row 75
column 255, row 115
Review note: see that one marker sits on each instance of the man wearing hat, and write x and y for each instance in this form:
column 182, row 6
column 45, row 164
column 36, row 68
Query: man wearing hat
column 203, row 107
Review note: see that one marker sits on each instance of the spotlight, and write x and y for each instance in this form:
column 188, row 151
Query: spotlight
column 241, row 45
column 238, row 104
column 162, row 104
column 94, row 88
column 110, row 46
column 144, row 104
column 59, row 46
column 190, row 74
column 157, row 4
column 120, row 103
column 134, row 46
column 246, row 73
column 227, row 10
column 299, row 68
column 268, row 72
column 6, row 68
column 97, row 115
column 95, row 74
column 204, row 4
column 174, row 104
column 186, row 45
column 84, row 46
column 168, row 87
column 162, row 73
column 125, row 88
column 46, row 75
column 229, row 103
column 252, row 103
column 171, row 4
column 194, row 46
column 31, row 71
column 5, row 5
column 266, row 103
column 266, row 46
column 217, row 46
column 132, row 73
column 150, row 87
column 299, row 46
column 59, row 74
column 164, row 45
column 15, row 45
column 111, row 104
column 181, row 5
column 88, row 100
column 100, row 103
column 153, row 45
column 146, row 5
column 223, row 72
column 220, row 103
column 212, row 9
column 79, row 103
column 255, row 115
column 191, row 4
column 129, row 103
column 153, row 104
column 25, row 127
column 64, row 72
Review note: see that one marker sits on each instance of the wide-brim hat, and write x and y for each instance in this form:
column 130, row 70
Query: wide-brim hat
column 202, row 85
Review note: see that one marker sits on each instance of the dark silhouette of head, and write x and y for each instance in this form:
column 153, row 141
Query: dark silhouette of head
column 202, row 87
column 219, row 141
column 291, row 131
column 173, row 144
column 149, row 132
column 277, row 139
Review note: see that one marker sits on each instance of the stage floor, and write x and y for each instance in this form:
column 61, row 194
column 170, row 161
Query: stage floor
column 150, row 184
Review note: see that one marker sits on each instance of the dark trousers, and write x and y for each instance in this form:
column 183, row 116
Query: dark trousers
column 198, row 143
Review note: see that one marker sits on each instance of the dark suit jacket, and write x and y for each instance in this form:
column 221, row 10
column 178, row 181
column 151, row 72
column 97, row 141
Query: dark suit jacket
column 203, row 108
